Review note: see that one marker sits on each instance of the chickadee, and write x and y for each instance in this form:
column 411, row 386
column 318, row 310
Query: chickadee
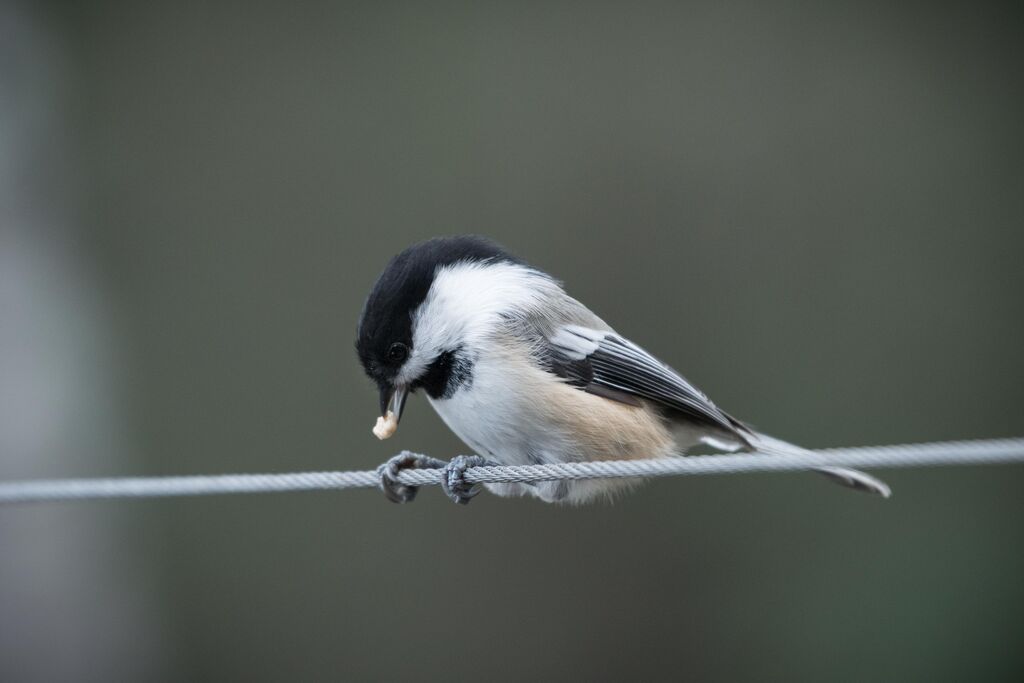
column 526, row 374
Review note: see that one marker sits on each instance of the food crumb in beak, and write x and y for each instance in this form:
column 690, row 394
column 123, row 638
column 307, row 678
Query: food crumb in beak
column 386, row 426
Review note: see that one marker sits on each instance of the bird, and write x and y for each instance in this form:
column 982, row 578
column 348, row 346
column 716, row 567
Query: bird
column 525, row 374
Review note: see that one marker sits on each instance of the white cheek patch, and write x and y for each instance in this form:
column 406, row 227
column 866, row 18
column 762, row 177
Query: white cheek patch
column 577, row 342
column 465, row 304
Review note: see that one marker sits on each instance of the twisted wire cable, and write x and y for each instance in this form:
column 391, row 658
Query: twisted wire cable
column 979, row 452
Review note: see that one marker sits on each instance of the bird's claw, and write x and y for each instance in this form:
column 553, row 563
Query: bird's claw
column 453, row 478
column 393, row 489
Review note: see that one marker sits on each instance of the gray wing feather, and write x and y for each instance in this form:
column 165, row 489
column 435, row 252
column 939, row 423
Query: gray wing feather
column 609, row 365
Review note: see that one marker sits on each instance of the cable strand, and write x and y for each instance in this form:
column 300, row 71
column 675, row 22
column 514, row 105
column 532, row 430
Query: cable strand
column 980, row 452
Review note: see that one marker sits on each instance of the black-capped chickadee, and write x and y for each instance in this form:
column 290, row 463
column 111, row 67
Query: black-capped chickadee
column 526, row 374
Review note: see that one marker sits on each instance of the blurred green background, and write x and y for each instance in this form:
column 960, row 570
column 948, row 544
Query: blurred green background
column 813, row 210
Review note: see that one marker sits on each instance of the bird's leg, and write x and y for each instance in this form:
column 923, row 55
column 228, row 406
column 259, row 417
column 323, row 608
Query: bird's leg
column 453, row 478
column 396, row 491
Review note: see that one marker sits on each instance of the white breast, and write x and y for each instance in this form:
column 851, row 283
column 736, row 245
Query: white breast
column 492, row 417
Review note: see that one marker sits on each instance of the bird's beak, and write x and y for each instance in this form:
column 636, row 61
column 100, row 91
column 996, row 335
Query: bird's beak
column 392, row 403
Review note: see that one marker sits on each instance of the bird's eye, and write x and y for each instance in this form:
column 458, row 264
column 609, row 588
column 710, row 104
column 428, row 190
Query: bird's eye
column 398, row 352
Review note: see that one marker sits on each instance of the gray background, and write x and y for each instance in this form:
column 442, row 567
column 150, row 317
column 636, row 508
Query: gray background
column 813, row 210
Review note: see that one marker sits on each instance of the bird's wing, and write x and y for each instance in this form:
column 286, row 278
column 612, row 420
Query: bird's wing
column 601, row 362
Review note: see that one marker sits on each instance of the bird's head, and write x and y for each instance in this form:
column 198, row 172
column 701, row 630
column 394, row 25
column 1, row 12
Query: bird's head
column 417, row 326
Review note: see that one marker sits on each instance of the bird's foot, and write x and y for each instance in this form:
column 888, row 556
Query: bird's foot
column 453, row 478
column 393, row 489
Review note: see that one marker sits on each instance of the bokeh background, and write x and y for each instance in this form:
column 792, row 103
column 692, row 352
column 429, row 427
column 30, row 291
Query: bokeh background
column 814, row 210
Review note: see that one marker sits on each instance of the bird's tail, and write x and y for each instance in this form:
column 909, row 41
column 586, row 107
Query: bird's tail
column 854, row 479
